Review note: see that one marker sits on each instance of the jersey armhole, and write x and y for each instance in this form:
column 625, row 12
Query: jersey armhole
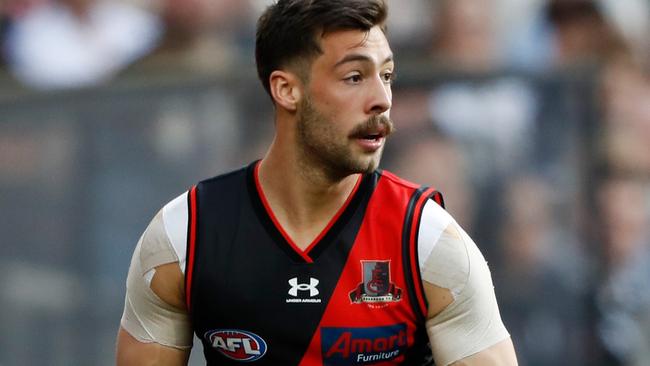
column 411, row 251
column 191, row 245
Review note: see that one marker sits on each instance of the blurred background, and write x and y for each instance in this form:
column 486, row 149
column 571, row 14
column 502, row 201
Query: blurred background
column 531, row 116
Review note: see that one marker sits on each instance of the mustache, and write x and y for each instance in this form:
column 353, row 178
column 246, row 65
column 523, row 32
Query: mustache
column 373, row 125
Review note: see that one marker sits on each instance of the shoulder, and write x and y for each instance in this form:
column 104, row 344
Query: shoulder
column 174, row 215
column 434, row 221
column 164, row 240
column 448, row 257
column 175, row 218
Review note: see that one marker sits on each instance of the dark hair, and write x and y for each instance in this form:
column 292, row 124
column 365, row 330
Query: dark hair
column 288, row 30
column 563, row 11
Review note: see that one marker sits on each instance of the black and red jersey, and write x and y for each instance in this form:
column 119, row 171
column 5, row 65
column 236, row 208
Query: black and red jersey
column 353, row 297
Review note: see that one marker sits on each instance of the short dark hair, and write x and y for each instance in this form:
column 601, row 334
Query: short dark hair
column 287, row 31
column 563, row 11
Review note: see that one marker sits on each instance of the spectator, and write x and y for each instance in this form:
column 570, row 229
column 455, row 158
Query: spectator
column 75, row 43
column 626, row 129
column 206, row 36
column 624, row 300
column 540, row 276
column 631, row 19
column 494, row 114
column 464, row 35
column 582, row 32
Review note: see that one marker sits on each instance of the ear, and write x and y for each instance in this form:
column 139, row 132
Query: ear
column 286, row 89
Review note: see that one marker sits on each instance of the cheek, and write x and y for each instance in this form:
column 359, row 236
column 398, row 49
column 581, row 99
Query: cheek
column 330, row 99
column 334, row 94
column 332, row 106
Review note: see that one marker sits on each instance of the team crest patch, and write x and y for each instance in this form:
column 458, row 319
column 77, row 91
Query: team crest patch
column 236, row 344
column 376, row 288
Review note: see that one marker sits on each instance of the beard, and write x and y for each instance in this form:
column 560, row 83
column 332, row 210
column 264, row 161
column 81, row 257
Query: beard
column 322, row 145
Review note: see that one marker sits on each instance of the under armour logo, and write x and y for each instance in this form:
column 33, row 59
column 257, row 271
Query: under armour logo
column 311, row 287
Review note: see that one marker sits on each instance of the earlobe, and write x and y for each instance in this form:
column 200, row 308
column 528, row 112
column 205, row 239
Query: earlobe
column 285, row 89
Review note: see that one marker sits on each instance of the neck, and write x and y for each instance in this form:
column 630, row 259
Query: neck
column 303, row 195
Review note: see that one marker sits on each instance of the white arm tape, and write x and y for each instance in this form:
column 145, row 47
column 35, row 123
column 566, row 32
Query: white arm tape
column 471, row 323
column 147, row 317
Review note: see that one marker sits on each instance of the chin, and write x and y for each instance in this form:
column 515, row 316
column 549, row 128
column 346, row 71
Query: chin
column 349, row 163
column 367, row 165
column 372, row 166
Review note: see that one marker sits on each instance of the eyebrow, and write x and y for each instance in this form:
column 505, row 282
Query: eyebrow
column 359, row 57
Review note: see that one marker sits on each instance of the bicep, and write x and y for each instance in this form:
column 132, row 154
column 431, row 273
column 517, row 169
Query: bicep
column 131, row 352
column 500, row 354
column 154, row 321
column 154, row 311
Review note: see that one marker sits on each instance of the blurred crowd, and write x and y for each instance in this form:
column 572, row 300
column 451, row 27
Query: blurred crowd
column 72, row 43
column 552, row 182
column 55, row 44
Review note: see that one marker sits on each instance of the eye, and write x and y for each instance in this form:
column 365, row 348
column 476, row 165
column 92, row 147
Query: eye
column 388, row 77
column 353, row 79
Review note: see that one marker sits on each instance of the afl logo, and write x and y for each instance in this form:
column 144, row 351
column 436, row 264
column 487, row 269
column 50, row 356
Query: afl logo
column 238, row 345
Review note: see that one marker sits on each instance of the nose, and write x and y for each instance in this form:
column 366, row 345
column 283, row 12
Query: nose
column 380, row 96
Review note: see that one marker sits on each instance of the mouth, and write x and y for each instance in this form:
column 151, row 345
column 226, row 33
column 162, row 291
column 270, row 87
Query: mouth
column 372, row 140
column 372, row 137
column 374, row 134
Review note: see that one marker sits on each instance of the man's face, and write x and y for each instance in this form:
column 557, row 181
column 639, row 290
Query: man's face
column 343, row 117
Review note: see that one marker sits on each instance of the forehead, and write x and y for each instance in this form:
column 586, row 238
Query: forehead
column 337, row 45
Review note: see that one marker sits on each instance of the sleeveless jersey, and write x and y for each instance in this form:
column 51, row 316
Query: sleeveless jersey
column 353, row 297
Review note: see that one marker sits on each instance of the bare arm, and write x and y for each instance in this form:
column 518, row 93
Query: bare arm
column 167, row 284
column 501, row 354
column 155, row 328
column 131, row 352
column 463, row 320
